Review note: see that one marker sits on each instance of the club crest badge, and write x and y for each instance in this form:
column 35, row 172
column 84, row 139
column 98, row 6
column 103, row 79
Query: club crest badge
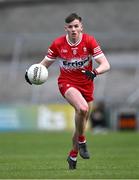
column 84, row 49
column 74, row 51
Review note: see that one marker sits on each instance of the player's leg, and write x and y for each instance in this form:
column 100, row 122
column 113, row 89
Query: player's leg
column 82, row 144
column 81, row 107
column 81, row 124
column 75, row 98
column 82, row 112
column 90, row 105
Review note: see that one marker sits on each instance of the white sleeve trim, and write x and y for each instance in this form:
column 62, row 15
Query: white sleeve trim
column 98, row 56
column 49, row 59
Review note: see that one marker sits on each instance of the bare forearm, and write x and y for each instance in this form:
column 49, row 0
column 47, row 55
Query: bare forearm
column 103, row 66
column 46, row 62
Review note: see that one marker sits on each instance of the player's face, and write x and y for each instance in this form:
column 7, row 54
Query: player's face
column 74, row 30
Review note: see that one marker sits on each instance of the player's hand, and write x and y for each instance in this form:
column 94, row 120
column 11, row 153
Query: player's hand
column 26, row 78
column 90, row 74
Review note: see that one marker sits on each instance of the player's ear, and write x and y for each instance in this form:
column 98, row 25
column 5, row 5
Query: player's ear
column 81, row 27
column 65, row 28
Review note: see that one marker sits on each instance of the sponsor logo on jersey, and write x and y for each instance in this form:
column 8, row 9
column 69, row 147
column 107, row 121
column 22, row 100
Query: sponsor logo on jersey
column 64, row 50
column 75, row 63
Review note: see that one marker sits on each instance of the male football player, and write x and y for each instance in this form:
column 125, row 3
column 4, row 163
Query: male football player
column 75, row 52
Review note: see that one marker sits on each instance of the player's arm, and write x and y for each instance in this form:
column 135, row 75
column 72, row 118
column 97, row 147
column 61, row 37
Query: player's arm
column 51, row 55
column 103, row 66
column 47, row 62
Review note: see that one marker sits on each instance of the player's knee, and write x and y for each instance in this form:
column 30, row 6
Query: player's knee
column 84, row 109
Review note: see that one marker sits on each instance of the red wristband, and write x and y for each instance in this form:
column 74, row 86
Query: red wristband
column 95, row 71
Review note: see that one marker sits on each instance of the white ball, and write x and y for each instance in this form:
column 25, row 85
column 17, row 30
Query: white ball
column 37, row 74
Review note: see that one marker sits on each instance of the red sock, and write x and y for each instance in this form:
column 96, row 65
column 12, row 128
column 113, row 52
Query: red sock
column 81, row 139
column 73, row 153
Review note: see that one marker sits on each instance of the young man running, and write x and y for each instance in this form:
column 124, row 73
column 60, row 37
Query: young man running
column 75, row 52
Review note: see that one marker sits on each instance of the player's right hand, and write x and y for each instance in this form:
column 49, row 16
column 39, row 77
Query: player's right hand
column 90, row 74
column 26, row 78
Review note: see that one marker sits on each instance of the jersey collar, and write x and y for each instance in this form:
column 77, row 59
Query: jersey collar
column 73, row 44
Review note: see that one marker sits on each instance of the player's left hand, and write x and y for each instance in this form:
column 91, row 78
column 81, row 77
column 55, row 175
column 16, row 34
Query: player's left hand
column 90, row 74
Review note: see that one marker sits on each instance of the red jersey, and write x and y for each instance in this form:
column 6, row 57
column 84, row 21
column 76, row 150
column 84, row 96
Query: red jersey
column 74, row 57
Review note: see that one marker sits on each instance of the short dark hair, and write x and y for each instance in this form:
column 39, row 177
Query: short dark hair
column 72, row 17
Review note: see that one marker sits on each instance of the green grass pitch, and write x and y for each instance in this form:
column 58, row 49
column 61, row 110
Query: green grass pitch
column 42, row 155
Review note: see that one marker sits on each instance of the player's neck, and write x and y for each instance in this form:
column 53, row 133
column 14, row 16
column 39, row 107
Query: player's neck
column 75, row 41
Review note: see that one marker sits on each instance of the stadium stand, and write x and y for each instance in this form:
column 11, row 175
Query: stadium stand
column 27, row 30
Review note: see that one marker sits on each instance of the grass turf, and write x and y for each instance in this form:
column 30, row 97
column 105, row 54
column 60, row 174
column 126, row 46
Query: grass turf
column 42, row 155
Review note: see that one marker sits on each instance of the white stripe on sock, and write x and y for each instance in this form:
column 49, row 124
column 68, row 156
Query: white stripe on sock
column 73, row 158
column 82, row 142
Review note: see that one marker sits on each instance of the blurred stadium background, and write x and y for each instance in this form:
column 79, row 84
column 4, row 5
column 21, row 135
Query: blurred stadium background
column 26, row 29
column 36, row 122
